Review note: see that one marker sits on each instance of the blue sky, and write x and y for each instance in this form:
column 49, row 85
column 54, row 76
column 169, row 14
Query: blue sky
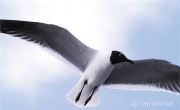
column 31, row 79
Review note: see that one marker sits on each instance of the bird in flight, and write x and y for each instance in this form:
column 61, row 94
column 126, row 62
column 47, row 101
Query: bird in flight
column 98, row 68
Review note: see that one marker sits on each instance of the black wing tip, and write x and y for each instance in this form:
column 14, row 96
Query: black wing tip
column 11, row 25
column 7, row 25
column 23, row 29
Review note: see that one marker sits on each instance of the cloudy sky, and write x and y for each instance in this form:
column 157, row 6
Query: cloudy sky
column 31, row 79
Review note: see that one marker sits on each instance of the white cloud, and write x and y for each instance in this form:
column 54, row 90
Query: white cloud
column 25, row 67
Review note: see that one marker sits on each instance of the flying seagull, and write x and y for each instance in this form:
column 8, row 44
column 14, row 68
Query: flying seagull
column 98, row 68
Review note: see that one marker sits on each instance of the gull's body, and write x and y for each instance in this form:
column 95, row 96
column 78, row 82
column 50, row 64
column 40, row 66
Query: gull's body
column 98, row 72
column 95, row 75
column 99, row 68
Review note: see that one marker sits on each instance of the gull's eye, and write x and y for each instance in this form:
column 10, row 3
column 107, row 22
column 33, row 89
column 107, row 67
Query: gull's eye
column 120, row 54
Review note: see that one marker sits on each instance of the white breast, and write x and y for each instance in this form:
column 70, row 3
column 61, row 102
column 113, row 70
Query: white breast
column 99, row 69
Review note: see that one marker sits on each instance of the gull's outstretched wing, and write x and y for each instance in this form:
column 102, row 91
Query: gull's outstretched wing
column 57, row 39
column 150, row 74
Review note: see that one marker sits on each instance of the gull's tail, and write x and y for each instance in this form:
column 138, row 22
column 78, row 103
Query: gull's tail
column 80, row 95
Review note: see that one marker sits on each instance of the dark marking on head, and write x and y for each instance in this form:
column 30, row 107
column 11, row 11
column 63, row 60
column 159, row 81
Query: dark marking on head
column 117, row 57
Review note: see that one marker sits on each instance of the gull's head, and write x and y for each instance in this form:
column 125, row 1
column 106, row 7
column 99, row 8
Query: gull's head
column 118, row 57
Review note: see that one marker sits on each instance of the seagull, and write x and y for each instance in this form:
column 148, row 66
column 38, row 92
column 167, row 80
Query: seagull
column 98, row 68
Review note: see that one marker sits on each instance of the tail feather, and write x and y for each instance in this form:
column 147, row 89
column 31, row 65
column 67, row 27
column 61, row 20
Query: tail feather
column 73, row 93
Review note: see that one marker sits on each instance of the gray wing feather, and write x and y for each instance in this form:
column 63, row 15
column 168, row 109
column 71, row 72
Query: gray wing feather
column 154, row 73
column 52, row 37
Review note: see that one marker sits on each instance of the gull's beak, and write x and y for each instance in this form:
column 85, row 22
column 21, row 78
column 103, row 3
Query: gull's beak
column 129, row 61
